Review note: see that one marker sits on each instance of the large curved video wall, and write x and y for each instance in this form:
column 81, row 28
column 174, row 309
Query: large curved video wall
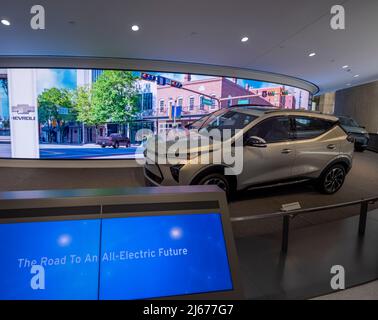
column 95, row 113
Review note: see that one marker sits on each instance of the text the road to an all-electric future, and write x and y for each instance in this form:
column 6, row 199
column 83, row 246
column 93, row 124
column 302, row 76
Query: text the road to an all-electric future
column 110, row 256
column 144, row 254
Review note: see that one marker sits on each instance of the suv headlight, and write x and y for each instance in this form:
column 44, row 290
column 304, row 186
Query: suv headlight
column 351, row 138
column 175, row 171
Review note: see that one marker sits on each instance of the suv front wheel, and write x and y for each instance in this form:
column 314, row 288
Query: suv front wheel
column 218, row 180
column 332, row 179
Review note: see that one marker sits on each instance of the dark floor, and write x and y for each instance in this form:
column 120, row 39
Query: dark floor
column 361, row 182
column 366, row 291
column 305, row 271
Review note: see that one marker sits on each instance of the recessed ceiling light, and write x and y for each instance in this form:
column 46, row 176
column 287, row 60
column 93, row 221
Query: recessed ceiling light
column 5, row 22
column 135, row 27
column 312, row 54
column 346, row 66
column 244, row 39
column 356, row 76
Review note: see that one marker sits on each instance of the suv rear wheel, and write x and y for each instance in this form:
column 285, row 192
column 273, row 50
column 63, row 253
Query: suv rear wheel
column 332, row 179
column 116, row 145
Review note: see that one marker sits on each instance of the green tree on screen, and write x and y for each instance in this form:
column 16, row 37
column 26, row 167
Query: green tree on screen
column 83, row 105
column 55, row 109
column 114, row 97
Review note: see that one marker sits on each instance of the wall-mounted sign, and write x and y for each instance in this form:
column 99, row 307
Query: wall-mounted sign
column 206, row 101
column 175, row 112
column 23, row 110
column 63, row 110
column 243, row 101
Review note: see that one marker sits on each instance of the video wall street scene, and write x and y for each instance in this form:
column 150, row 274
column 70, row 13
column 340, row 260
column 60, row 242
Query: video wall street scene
column 188, row 159
column 76, row 116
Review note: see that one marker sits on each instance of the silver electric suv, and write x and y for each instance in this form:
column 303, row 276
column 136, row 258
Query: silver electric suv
column 279, row 146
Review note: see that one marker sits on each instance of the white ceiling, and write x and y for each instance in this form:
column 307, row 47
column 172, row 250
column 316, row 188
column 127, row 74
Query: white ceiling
column 281, row 34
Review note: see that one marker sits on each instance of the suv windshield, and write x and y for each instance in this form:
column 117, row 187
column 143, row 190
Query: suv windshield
column 348, row 122
column 198, row 124
column 230, row 120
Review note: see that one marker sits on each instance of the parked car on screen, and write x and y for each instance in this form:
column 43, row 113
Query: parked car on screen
column 360, row 135
column 114, row 140
column 279, row 147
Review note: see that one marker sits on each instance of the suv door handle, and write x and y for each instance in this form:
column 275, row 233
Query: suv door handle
column 286, row 150
column 331, row 146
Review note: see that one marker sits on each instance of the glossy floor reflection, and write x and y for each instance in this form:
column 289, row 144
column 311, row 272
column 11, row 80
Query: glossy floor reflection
column 305, row 271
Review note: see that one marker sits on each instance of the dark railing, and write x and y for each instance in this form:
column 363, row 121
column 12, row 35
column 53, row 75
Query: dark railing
column 373, row 142
column 288, row 215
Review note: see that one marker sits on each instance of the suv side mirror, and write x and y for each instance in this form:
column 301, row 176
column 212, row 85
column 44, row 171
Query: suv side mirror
column 255, row 141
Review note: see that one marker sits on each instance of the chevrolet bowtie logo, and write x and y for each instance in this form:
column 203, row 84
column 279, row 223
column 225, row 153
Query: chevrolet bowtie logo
column 23, row 109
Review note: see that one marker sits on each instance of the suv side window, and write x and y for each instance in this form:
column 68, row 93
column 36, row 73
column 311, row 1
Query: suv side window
column 308, row 127
column 274, row 129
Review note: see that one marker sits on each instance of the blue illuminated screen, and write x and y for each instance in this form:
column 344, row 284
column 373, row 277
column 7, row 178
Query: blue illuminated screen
column 116, row 258
column 62, row 248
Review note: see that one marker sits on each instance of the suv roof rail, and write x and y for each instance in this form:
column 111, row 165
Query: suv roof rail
column 295, row 110
column 256, row 107
column 270, row 109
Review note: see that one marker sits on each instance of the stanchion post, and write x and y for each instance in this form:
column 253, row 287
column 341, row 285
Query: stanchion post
column 363, row 217
column 285, row 233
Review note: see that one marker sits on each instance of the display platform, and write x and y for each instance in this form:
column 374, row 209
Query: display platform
column 129, row 243
column 304, row 272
